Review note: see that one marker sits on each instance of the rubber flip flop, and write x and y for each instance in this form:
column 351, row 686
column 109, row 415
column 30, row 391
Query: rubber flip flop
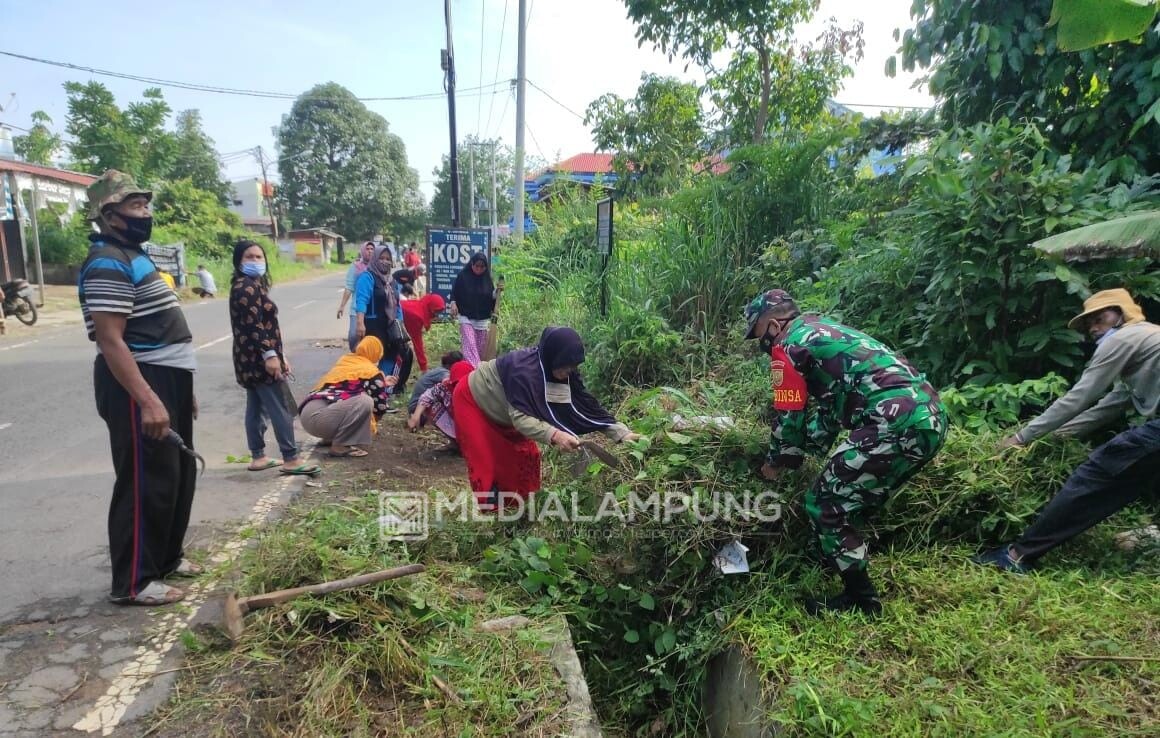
column 187, row 568
column 306, row 470
column 269, row 465
column 354, row 453
column 154, row 594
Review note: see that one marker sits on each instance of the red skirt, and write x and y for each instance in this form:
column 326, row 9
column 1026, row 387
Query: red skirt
column 499, row 459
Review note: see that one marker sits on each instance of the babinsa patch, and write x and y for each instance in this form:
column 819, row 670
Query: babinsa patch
column 789, row 386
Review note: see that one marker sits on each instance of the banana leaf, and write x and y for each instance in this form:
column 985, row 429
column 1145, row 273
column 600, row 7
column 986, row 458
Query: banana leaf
column 1130, row 236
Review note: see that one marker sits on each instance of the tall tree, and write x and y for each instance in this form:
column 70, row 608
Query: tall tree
column 195, row 157
column 341, row 166
column 105, row 137
column 657, row 136
column 801, row 78
column 698, row 29
column 40, row 144
column 504, row 158
column 993, row 58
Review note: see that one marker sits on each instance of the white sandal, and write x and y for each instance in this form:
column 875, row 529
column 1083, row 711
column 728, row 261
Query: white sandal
column 154, row 594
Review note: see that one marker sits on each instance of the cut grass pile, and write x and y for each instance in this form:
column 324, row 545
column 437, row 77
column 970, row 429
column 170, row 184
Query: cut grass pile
column 403, row 658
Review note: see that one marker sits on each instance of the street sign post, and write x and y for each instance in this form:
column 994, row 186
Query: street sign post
column 604, row 236
column 448, row 251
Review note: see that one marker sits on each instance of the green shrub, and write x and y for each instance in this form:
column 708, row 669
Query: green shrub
column 994, row 407
column 67, row 244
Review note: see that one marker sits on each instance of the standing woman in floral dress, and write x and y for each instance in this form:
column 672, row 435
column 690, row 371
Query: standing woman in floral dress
column 260, row 364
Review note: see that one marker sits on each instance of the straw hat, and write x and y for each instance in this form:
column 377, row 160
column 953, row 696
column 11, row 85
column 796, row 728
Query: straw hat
column 1117, row 298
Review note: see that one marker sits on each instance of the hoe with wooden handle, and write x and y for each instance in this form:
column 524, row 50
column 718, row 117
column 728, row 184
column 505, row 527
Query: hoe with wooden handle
column 236, row 608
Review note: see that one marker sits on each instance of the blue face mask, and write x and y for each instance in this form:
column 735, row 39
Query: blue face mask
column 1108, row 334
column 254, row 268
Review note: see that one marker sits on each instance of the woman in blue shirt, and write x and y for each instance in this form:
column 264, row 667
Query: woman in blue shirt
column 379, row 313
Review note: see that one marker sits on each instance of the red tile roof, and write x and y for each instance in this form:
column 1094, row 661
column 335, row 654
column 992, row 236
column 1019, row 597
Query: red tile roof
column 594, row 163
column 61, row 175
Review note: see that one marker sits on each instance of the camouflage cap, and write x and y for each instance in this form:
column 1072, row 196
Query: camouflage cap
column 762, row 304
column 111, row 189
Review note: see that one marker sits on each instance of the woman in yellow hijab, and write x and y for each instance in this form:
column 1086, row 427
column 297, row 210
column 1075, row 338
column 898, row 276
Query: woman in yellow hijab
column 344, row 406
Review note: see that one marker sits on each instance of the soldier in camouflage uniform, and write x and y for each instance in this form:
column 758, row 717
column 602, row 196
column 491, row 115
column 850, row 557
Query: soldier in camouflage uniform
column 894, row 416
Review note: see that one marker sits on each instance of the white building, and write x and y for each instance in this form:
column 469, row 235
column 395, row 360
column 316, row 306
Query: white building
column 249, row 199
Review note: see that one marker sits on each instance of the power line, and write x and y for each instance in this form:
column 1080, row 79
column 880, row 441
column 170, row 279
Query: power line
column 197, row 87
column 549, row 96
column 536, row 142
column 503, row 114
column 869, row 105
column 498, row 56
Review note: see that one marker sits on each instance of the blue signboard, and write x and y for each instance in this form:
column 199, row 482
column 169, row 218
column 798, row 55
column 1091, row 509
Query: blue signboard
column 448, row 251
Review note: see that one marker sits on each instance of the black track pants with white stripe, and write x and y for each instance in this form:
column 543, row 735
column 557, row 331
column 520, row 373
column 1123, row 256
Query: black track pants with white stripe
column 153, row 491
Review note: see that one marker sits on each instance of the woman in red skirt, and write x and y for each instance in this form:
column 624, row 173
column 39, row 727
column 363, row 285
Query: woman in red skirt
column 527, row 396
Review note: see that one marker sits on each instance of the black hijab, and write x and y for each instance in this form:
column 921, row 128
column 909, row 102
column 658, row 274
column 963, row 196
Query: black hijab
column 474, row 294
column 525, row 374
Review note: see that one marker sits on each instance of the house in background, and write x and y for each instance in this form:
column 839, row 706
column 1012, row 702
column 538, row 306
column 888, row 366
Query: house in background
column 316, row 245
column 21, row 185
column 251, row 198
column 587, row 170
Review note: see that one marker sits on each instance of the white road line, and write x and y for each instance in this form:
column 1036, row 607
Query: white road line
column 5, row 425
column 308, row 302
column 20, row 345
column 109, row 709
column 214, row 342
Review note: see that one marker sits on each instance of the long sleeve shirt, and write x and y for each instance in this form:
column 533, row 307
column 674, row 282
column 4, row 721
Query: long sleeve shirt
column 487, row 389
column 1129, row 360
column 257, row 335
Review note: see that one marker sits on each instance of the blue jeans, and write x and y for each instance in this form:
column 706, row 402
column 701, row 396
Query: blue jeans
column 266, row 402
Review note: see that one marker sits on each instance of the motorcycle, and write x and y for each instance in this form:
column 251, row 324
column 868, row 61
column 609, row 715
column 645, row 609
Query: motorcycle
column 18, row 301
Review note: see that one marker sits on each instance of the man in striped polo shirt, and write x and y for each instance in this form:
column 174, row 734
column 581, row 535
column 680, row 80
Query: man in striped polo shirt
column 143, row 379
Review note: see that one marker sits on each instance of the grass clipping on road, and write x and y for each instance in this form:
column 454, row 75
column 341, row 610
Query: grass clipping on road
column 964, row 650
column 401, row 658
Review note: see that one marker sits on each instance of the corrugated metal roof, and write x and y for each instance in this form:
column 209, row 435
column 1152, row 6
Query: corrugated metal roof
column 62, row 175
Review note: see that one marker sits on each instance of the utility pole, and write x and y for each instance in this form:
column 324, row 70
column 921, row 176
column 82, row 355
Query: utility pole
column 448, row 63
column 471, row 179
column 521, row 90
column 36, row 238
column 266, row 193
column 494, row 201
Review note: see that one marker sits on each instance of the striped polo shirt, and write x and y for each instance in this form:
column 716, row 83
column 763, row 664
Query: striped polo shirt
column 118, row 278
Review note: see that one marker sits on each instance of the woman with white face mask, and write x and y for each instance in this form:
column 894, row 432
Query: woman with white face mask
column 260, row 364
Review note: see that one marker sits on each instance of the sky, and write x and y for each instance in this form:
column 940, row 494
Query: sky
column 577, row 50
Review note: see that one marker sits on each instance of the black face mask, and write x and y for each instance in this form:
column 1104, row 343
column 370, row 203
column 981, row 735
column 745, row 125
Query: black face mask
column 137, row 230
column 766, row 344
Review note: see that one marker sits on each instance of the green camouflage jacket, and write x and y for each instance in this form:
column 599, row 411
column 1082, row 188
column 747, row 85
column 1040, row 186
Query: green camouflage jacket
column 854, row 381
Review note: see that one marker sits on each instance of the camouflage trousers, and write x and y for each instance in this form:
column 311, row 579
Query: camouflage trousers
column 873, row 462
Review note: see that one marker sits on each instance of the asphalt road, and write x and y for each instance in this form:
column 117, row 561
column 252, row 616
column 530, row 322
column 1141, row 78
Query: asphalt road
column 55, row 468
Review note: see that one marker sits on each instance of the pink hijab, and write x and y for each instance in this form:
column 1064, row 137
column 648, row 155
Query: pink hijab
column 368, row 249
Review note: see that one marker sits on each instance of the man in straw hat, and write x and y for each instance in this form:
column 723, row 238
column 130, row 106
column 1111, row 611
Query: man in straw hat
column 143, row 378
column 897, row 424
column 1127, row 357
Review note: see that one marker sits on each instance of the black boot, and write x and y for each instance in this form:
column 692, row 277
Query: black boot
column 858, row 596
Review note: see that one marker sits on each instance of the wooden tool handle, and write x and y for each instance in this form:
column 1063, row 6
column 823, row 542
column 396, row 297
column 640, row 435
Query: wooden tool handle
column 283, row 595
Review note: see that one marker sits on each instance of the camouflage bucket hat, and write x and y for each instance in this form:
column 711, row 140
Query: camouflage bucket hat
column 111, row 189
column 762, row 304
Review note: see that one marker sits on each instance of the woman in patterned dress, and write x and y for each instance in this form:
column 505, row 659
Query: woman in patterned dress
column 260, row 364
